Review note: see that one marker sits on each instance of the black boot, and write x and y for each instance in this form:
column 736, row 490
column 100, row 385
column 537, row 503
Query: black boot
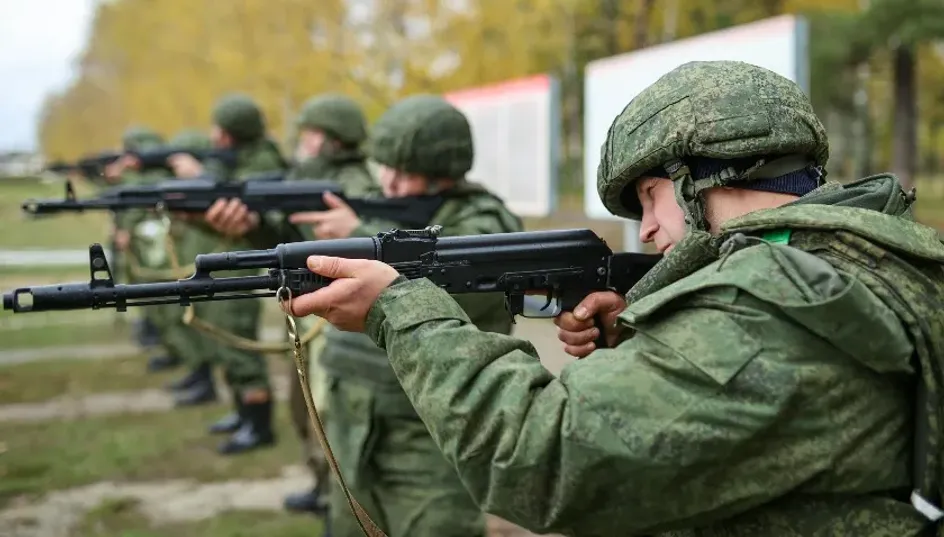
column 201, row 393
column 309, row 501
column 201, row 373
column 146, row 333
column 227, row 424
column 254, row 432
column 162, row 363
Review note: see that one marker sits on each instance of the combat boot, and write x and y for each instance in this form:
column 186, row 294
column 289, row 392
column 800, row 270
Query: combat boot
column 229, row 423
column 200, row 393
column 200, row 373
column 146, row 333
column 255, row 429
column 162, row 363
column 309, row 501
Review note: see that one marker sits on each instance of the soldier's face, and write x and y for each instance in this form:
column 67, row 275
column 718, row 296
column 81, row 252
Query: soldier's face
column 310, row 143
column 220, row 138
column 663, row 222
column 397, row 184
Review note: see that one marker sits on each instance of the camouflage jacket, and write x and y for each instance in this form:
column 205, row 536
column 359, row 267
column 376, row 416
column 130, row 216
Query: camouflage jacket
column 468, row 210
column 768, row 390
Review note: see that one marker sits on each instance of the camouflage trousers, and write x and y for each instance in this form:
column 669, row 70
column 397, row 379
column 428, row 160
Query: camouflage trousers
column 393, row 468
column 242, row 369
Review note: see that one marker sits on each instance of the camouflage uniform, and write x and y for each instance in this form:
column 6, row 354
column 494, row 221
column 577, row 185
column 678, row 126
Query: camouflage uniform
column 147, row 233
column 342, row 161
column 390, row 462
column 193, row 346
column 768, row 386
column 245, row 370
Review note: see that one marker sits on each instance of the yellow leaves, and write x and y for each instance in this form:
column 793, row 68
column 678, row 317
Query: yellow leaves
column 163, row 63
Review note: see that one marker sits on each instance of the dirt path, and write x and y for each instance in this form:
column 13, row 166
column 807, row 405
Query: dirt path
column 103, row 404
column 168, row 502
column 179, row 500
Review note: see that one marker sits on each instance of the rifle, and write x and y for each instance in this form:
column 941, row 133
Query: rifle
column 566, row 265
column 260, row 194
column 152, row 159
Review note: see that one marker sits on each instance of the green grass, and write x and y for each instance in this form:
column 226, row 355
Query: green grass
column 121, row 517
column 39, row 381
column 41, row 457
column 67, row 231
column 92, row 331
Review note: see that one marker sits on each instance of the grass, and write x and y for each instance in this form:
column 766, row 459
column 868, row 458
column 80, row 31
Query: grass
column 68, row 231
column 41, row 457
column 40, row 381
column 121, row 517
column 83, row 331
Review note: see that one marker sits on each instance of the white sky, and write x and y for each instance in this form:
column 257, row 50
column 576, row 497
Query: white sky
column 39, row 40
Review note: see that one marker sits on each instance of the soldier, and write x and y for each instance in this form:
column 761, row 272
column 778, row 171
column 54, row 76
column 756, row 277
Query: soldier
column 761, row 379
column 331, row 129
column 424, row 145
column 197, row 386
column 238, row 124
column 140, row 235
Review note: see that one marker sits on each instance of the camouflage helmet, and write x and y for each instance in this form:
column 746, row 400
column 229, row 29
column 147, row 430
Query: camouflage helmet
column 239, row 116
column 708, row 124
column 139, row 138
column 191, row 139
column 338, row 116
column 425, row 135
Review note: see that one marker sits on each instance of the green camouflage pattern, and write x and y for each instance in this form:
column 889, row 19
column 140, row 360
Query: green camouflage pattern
column 718, row 109
column 140, row 138
column 188, row 240
column 340, row 117
column 244, row 370
column 388, row 459
column 424, row 135
column 747, row 401
column 240, row 117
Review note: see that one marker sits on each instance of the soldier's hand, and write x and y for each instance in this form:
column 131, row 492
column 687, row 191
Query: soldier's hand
column 185, row 166
column 231, row 218
column 347, row 300
column 576, row 329
column 338, row 222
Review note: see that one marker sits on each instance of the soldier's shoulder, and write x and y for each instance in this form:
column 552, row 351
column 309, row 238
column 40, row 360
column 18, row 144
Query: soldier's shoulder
column 777, row 274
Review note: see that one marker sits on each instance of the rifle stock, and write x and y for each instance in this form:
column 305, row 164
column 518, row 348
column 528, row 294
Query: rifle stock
column 564, row 265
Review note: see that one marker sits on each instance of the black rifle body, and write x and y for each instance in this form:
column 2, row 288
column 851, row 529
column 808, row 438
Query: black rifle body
column 260, row 194
column 564, row 265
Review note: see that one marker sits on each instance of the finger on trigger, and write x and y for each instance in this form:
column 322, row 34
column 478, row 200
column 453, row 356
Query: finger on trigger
column 578, row 338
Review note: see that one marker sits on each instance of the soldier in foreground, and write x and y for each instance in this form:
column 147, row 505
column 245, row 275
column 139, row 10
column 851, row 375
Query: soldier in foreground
column 393, row 467
column 760, row 380
column 238, row 123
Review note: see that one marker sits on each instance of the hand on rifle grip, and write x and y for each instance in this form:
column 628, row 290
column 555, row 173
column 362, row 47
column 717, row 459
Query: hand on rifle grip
column 592, row 324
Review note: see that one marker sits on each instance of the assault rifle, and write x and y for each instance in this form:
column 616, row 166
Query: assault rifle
column 260, row 194
column 566, row 265
column 152, row 159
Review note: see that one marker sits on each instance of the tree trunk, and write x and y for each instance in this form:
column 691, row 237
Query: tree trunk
column 641, row 30
column 610, row 10
column 905, row 122
column 862, row 125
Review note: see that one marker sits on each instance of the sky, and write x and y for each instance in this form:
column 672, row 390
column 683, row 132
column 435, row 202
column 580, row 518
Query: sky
column 39, row 41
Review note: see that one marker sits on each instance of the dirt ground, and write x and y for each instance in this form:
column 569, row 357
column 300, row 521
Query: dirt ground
column 58, row 511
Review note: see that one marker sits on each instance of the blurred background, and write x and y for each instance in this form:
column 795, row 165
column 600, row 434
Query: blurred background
column 88, row 446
